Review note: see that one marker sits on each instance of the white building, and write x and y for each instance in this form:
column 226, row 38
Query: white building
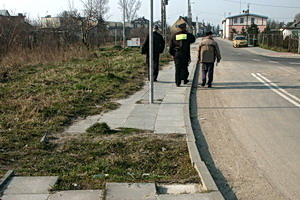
column 293, row 30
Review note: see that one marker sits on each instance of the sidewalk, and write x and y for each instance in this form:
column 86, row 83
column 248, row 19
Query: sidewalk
column 165, row 115
column 168, row 114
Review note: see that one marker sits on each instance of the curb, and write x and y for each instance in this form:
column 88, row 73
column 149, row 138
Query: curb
column 190, row 115
column 5, row 179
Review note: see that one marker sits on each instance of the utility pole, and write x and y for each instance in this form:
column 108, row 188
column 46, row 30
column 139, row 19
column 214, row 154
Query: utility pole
column 189, row 13
column 164, row 21
column 124, row 24
column 151, row 54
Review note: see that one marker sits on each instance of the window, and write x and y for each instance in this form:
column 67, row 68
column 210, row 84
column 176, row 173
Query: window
column 235, row 20
column 252, row 20
column 241, row 20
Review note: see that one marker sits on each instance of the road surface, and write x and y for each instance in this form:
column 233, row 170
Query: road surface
column 251, row 123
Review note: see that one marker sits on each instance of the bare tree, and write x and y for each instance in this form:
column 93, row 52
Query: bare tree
column 94, row 15
column 131, row 7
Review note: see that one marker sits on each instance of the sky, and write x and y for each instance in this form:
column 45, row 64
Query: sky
column 213, row 11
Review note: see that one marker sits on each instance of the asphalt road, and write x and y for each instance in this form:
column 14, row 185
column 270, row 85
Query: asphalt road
column 251, row 121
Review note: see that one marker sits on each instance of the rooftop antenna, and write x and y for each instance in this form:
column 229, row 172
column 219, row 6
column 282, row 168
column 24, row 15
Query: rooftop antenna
column 248, row 7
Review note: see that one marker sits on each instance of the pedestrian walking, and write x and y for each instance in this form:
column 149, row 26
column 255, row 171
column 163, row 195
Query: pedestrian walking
column 208, row 53
column 158, row 48
column 180, row 51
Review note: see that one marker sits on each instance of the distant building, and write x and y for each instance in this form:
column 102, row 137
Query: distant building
column 51, row 22
column 141, row 22
column 4, row 13
column 292, row 30
column 182, row 20
column 238, row 22
column 9, row 20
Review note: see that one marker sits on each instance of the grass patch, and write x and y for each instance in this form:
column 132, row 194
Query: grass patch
column 45, row 98
column 99, row 128
column 128, row 155
column 277, row 49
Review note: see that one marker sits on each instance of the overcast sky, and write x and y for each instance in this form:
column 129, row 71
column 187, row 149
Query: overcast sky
column 212, row 11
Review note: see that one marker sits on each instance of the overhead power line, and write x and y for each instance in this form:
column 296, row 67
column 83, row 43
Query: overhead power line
column 267, row 5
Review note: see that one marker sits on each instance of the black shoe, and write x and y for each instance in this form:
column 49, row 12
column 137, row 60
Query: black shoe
column 155, row 80
column 186, row 81
column 203, row 84
column 209, row 86
column 178, row 85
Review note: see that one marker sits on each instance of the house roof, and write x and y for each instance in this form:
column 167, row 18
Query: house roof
column 247, row 14
column 295, row 25
column 4, row 13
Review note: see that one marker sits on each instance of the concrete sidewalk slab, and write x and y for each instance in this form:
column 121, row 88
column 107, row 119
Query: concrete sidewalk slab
column 26, row 197
column 130, row 191
column 30, row 185
column 77, row 195
column 205, row 196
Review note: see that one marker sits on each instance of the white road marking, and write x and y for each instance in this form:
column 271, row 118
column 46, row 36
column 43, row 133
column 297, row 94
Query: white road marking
column 271, row 61
column 276, row 86
column 257, row 60
column 281, row 92
column 292, row 63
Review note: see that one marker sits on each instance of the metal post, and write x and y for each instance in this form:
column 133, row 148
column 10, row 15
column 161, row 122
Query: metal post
column 116, row 37
column 151, row 53
column 189, row 14
column 124, row 24
column 299, row 44
column 197, row 26
column 164, row 22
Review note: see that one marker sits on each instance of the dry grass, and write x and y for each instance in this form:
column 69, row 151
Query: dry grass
column 45, row 97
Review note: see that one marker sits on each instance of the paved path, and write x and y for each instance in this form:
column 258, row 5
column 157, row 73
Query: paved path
column 164, row 116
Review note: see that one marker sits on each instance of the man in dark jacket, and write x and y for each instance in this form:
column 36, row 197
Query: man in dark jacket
column 158, row 48
column 208, row 52
column 180, row 50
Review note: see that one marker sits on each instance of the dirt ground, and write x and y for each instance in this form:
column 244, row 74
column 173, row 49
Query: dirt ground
column 233, row 169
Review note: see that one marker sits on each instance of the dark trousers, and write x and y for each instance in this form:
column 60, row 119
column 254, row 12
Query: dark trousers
column 207, row 68
column 155, row 66
column 181, row 69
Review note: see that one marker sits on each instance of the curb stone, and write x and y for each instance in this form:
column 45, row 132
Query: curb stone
column 5, row 179
column 206, row 178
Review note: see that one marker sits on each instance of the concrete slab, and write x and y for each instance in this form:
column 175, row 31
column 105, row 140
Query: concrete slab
column 169, row 130
column 178, row 189
column 130, row 191
column 30, row 185
column 77, row 195
column 206, row 196
column 25, row 197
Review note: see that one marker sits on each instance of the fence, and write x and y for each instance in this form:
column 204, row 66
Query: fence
column 290, row 43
